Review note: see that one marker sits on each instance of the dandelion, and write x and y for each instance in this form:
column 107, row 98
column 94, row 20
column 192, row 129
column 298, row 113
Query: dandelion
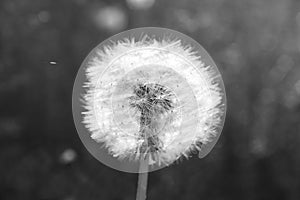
column 152, row 98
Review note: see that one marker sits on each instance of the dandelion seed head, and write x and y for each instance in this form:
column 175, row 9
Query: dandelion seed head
column 152, row 96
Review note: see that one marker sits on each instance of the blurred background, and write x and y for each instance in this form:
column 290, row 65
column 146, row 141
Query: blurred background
column 255, row 45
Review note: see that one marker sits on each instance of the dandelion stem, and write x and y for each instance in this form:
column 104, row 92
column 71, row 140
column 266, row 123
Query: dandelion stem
column 142, row 179
column 149, row 100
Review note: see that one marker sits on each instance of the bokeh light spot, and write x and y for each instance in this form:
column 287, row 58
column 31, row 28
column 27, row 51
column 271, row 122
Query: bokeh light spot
column 68, row 156
column 140, row 4
column 111, row 18
column 44, row 16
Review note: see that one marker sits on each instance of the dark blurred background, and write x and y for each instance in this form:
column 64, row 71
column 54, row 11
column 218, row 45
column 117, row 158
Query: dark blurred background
column 255, row 45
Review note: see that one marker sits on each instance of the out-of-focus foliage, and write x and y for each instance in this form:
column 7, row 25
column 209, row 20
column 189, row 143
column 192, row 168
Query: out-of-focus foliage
column 255, row 45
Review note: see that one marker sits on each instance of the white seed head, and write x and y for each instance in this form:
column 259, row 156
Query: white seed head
column 131, row 125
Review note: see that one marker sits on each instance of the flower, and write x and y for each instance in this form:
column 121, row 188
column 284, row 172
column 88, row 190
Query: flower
column 152, row 96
